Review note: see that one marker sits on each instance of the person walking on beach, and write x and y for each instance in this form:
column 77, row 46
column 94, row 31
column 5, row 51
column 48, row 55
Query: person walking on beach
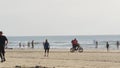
column 32, row 43
column 28, row 44
column 46, row 47
column 20, row 45
column 117, row 44
column 3, row 42
column 107, row 46
column 96, row 43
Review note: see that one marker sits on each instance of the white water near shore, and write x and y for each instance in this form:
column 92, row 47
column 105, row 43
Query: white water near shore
column 64, row 42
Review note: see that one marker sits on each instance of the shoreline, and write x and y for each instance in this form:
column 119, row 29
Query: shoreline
column 61, row 49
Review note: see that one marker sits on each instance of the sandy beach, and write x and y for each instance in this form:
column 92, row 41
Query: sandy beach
column 61, row 59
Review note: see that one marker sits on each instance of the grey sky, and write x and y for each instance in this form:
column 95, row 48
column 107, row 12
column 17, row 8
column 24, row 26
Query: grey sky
column 59, row 17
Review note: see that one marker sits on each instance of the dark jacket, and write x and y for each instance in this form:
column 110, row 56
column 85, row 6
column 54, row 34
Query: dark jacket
column 46, row 45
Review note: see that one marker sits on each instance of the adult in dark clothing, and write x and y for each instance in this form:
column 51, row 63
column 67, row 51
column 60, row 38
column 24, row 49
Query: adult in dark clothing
column 28, row 44
column 46, row 47
column 20, row 45
column 107, row 46
column 3, row 42
column 96, row 43
column 32, row 43
column 117, row 44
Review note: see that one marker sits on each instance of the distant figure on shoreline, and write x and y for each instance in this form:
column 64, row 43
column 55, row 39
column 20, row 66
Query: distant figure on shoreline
column 32, row 43
column 118, row 44
column 107, row 46
column 3, row 43
column 28, row 44
column 46, row 47
column 20, row 45
column 96, row 43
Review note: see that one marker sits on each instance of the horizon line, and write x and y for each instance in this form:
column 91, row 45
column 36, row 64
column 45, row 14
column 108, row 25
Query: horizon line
column 63, row 35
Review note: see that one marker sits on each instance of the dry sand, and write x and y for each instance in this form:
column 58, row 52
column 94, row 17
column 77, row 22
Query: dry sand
column 62, row 59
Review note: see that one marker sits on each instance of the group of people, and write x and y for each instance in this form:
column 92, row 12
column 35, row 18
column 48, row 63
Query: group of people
column 29, row 44
column 4, row 42
column 107, row 45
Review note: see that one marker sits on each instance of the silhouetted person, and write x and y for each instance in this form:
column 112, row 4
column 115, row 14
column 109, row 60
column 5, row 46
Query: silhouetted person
column 3, row 42
column 46, row 47
column 118, row 44
column 20, row 45
column 32, row 43
column 28, row 44
column 107, row 46
column 96, row 43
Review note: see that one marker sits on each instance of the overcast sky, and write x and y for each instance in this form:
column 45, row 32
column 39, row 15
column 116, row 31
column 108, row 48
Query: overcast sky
column 59, row 17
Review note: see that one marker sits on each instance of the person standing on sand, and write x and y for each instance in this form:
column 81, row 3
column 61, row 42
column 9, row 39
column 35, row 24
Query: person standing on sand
column 28, row 44
column 107, row 46
column 96, row 43
column 117, row 44
column 46, row 47
column 20, row 45
column 32, row 43
column 3, row 42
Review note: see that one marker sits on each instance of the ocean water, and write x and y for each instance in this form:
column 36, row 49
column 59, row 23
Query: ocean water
column 64, row 42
